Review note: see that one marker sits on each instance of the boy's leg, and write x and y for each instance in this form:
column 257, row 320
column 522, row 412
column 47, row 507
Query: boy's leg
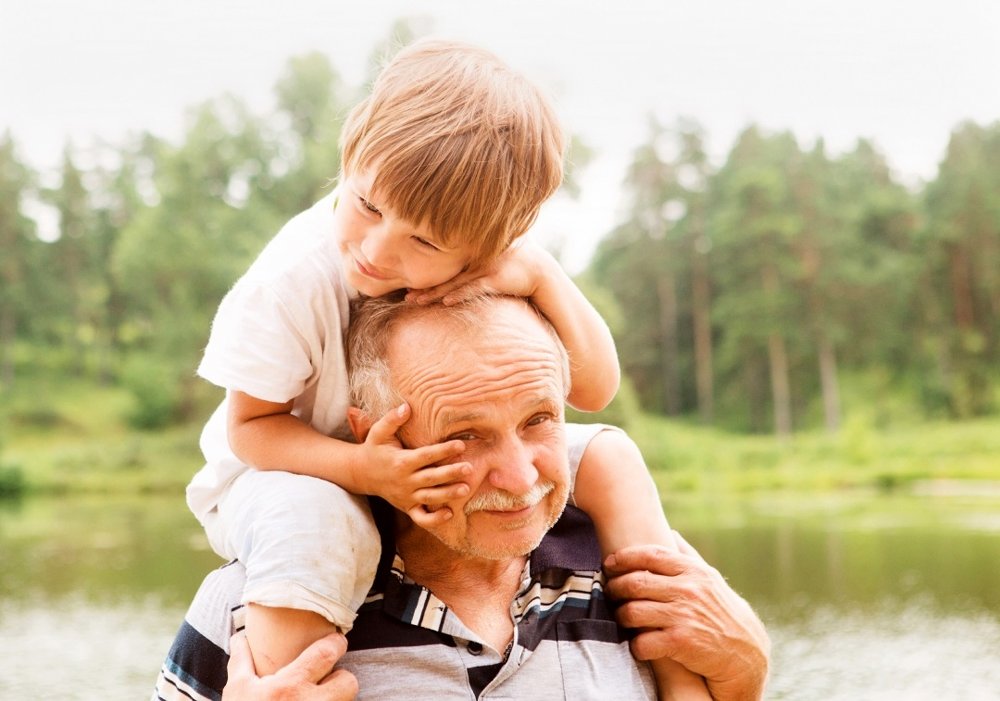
column 310, row 550
column 614, row 487
column 277, row 635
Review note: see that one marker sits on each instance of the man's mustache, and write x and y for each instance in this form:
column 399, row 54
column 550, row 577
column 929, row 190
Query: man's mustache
column 499, row 500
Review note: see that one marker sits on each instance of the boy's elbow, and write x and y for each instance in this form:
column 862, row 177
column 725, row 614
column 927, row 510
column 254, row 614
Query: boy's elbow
column 594, row 396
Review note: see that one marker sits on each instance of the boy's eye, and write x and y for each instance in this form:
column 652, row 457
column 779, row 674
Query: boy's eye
column 369, row 206
column 424, row 242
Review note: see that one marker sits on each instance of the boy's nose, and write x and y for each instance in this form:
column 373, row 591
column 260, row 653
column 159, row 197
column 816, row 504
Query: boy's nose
column 378, row 248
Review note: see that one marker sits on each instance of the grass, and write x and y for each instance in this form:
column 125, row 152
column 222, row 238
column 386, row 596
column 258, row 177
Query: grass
column 686, row 458
column 79, row 442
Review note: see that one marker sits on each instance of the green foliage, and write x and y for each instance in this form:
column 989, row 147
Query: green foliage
column 785, row 288
column 623, row 411
column 12, row 483
column 155, row 388
column 811, row 270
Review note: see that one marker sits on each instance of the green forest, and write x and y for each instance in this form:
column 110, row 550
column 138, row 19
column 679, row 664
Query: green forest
column 774, row 311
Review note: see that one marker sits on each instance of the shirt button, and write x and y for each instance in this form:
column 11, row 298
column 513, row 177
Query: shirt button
column 475, row 648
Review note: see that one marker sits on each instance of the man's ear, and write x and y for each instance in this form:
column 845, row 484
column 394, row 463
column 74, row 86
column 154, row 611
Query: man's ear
column 359, row 422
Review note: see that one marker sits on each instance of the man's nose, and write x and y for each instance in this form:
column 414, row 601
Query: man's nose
column 513, row 469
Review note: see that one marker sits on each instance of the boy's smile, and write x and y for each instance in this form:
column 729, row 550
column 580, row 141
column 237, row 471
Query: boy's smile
column 382, row 252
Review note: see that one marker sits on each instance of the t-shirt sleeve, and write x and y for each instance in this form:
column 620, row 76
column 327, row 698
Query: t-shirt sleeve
column 258, row 345
column 578, row 437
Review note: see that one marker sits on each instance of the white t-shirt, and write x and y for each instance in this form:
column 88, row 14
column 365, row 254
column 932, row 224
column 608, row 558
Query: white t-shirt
column 279, row 336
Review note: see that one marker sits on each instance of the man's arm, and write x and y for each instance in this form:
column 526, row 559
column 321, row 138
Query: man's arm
column 686, row 611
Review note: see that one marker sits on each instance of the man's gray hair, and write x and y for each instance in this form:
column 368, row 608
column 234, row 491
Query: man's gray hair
column 371, row 326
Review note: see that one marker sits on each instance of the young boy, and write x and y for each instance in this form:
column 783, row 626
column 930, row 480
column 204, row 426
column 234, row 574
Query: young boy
column 444, row 167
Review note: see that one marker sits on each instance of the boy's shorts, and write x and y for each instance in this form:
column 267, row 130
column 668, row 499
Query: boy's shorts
column 306, row 543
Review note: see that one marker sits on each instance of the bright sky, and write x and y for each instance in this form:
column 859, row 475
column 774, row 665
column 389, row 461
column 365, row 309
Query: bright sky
column 902, row 72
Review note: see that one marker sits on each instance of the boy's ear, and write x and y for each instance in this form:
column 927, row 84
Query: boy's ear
column 359, row 422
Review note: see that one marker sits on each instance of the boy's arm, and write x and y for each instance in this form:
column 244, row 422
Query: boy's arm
column 528, row 270
column 614, row 487
column 267, row 436
column 595, row 373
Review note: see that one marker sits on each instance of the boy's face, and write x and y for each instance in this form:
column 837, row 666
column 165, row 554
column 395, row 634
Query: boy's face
column 382, row 252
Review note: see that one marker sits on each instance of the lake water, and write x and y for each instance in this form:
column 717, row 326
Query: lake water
column 865, row 597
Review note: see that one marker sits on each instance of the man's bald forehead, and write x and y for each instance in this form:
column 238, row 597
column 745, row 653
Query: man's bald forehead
column 434, row 329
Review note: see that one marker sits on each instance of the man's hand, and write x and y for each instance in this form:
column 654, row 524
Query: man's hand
column 413, row 481
column 308, row 678
column 683, row 609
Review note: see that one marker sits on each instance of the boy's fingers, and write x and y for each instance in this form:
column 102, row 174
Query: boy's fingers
column 430, row 454
column 384, row 430
column 441, row 494
column 425, row 518
column 441, row 475
column 686, row 548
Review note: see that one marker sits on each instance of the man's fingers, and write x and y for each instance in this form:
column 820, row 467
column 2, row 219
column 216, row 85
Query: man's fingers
column 316, row 661
column 340, row 685
column 240, row 659
column 644, row 585
column 654, row 558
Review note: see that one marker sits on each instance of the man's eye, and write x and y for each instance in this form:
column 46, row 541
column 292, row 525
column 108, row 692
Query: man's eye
column 464, row 436
column 538, row 419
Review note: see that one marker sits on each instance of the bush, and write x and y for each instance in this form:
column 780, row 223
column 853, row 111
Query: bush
column 156, row 391
column 11, row 482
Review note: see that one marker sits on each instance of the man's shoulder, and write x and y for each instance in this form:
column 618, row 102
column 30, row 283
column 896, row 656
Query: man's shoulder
column 571, row 544
column 195, row 667
column 217, row 606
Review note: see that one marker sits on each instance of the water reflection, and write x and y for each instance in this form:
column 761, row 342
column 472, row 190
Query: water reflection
column 865, row 598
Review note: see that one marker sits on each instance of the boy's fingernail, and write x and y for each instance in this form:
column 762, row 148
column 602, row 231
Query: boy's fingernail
column 610, row 561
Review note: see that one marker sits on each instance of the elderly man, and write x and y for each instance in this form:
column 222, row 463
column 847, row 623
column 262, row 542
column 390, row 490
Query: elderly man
column 506, row 598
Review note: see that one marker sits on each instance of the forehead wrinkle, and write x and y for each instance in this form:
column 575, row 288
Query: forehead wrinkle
column 438, row 393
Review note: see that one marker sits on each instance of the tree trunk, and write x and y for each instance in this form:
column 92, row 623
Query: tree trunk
column 667, row 295
column 961, row 288
column 702, row 322
column 828, row 384
column 781, row 394
column 7, row 331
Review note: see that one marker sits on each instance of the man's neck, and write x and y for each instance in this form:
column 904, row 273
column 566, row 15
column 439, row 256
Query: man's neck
column 478, row 590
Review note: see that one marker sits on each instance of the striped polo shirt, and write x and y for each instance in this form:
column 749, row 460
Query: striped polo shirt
column 407, row 644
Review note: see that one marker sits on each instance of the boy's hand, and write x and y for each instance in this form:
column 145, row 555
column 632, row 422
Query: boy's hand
column 518, row 272
column 412, row 480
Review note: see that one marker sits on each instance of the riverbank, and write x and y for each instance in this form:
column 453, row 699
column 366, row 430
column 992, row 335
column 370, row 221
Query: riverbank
column 81, row 443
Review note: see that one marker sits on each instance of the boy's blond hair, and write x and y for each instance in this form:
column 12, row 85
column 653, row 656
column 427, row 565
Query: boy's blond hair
column 458, row 141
